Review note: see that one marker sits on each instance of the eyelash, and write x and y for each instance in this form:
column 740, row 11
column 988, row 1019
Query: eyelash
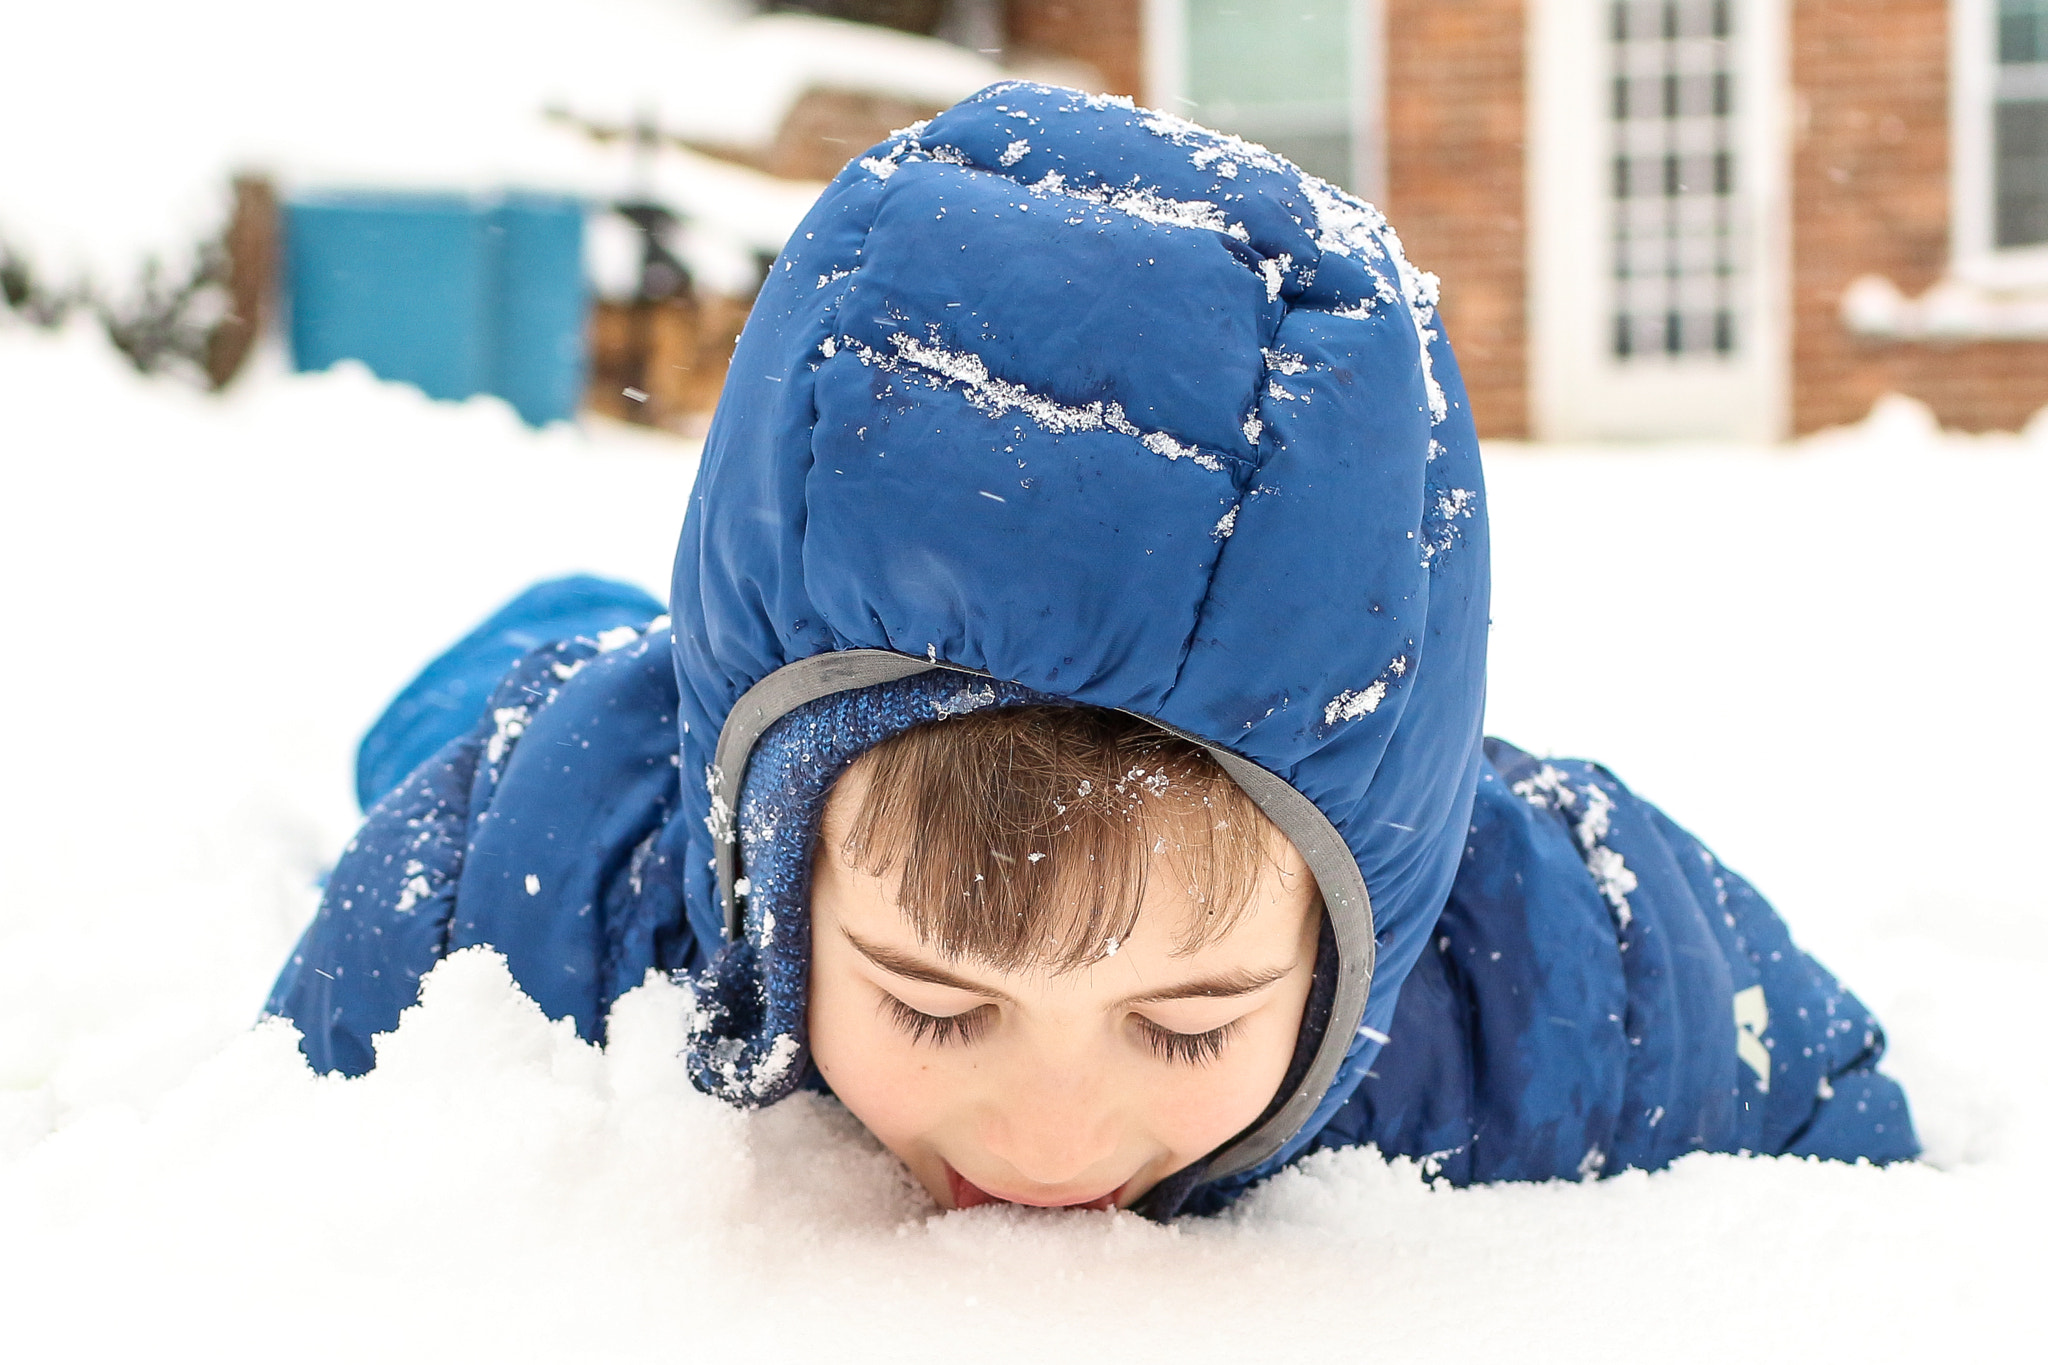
column 1190, row 1049
column 941, row 1030
column 945, row 1030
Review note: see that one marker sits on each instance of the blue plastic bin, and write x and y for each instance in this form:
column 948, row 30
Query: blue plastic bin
column 458, row 294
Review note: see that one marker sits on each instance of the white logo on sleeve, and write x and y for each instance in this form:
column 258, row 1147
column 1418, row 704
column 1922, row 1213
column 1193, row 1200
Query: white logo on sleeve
column 1752, row 1017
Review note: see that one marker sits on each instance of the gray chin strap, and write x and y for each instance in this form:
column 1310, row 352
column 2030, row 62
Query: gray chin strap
column 1343, row 888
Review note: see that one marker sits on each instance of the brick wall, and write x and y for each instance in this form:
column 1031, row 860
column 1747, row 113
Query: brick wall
column 1870, row 168
column 1455, row 158
column 1106, row 34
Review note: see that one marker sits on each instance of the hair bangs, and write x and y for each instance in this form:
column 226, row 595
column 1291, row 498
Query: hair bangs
column 1031, row 836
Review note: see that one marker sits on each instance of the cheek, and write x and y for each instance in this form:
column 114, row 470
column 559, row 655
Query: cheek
column 898, row 1091
column 1197, row 1109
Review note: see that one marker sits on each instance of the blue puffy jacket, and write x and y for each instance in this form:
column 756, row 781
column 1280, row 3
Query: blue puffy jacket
column 1055, row 398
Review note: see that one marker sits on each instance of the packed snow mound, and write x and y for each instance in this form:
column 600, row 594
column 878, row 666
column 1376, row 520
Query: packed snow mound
column 128, row 118
column 498, row 1189
column 1826, row 660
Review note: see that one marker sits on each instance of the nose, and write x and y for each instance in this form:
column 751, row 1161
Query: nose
column 1055, row 1127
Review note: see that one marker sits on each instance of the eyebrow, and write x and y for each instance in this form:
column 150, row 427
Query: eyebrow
column 911, row 969
column 1223, row 986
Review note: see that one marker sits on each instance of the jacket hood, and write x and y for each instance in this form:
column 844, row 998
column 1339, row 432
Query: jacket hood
column 1061, row 398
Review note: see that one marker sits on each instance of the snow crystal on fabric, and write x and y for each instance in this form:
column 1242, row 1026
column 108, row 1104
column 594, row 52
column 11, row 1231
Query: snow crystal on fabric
column 1140, row 202
column 941, row 367
column 1351, row 227
column 1208, row 149
column 1444, row 509
column 966, row 700
column 1363, row 701
column 1590, row 810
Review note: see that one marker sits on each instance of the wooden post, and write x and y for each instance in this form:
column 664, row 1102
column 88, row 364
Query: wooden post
column 251, row 251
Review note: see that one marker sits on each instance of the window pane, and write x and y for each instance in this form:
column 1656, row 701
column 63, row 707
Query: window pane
column 2022, row 170
column 1676, row 181
column 1279, row 74
column 2023, row 31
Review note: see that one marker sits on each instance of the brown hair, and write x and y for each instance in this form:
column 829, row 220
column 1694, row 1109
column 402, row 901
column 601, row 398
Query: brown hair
column 1028, row 834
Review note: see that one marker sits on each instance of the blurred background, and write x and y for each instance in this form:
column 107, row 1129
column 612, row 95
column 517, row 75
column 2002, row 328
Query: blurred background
column 1656, row 219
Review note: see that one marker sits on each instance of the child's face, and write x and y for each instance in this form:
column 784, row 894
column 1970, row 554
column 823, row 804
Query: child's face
column 1084, row 1088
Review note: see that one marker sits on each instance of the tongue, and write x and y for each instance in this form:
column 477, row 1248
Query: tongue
column 968, row 1195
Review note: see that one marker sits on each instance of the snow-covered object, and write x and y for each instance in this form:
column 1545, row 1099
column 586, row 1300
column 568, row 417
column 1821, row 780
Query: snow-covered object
column 129, row 118
column 957, row 317
column 1952, row 310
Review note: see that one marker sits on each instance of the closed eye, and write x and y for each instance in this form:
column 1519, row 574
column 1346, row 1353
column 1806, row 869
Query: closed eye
column 940, row 1029
column 1191, row 1049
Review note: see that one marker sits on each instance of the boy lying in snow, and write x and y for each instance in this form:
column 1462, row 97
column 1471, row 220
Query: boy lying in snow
column 1074, row 678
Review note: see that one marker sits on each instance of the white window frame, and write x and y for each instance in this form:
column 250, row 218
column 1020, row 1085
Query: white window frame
column 1166, row 82
column 1974, row 256
column 1579, row 389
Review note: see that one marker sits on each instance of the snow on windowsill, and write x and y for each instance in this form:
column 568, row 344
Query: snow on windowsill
column 1956, row 308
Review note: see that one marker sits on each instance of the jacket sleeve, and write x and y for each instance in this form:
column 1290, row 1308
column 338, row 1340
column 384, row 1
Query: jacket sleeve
column 449, row 695
column 387, row 914
column 1808, row 1048
column 1738, row 1040
column 539, row 833
column 383, row 920
column 1604, row 995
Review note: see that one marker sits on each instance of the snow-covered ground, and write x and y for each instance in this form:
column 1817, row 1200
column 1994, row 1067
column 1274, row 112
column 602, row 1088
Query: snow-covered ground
column 1827, row 660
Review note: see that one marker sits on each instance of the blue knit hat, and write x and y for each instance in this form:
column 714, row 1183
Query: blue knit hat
column 751, row 1040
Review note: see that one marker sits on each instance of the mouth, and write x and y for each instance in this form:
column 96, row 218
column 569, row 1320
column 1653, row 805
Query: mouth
column 968, row 1195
